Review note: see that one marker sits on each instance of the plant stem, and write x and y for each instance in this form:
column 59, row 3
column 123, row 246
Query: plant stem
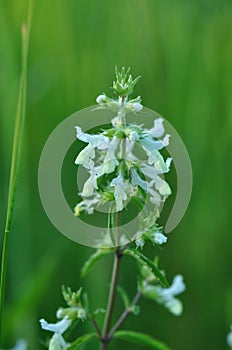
column 113, row 285
column 124, row 315
column 17, row 141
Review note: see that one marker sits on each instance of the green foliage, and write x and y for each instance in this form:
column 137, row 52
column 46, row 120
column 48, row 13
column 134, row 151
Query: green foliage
column 124, row 84
column 143, row 260
column 100, row 253
column 83, row 340
column 141, row 339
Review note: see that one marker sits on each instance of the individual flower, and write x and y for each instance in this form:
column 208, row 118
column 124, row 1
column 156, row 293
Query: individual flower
column 121, row 190
column 158, row 128
column 229, row 338
column 59, row 327
column 167, row 296
column 159, row 238
column 57, row 342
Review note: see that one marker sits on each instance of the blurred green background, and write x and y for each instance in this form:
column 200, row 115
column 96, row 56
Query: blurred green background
column 183, row 50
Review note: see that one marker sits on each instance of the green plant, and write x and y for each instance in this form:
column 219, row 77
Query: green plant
column 125, row 169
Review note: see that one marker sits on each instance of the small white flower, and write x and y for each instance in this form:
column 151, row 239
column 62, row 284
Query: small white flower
column 57, row 342
column 150, row 145
column 20, row 345
column 96, row 140
column 159, row 238
column 121, row 190
column 136, row 107
column 101, row 100
column 162, row 186
column 229, row 338
column 166, row 140
column 155, row 197
column 139, row 243
column 86, row 205
column 59, row 327
column 137, row 180
column 133, row 136
column 166, row 296
column 158, row 128
column 175, row 306
column 110, row 161
column 81, row 313
column 85, row 156
column 91, row 183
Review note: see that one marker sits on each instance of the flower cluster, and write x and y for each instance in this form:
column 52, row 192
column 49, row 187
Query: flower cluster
column 65, row 316
column 116, row 172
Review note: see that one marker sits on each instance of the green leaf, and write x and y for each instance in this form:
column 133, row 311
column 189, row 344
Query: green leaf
column 144, row 260
column 93, row 259
column 76, row 345
column 141, row 339
column 124, row 296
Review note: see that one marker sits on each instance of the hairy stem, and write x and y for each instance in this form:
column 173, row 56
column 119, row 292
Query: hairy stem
column 19, row 123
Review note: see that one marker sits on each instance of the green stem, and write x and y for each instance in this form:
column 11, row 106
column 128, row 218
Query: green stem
column 124, row 315
column 17, row 141
column 113, row 286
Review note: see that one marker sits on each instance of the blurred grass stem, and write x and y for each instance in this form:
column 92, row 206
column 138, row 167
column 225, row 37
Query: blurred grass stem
column 17, row 143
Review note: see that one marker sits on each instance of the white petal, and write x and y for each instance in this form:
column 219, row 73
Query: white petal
column 166, row 140
column 57, row 342
column 94, row 140
column 159, row 238
column 137, row 181
column 85, row 156
column 175, row 306
column 151, row 145
column 178, row 285
column 59, row 327
column 121, row 189
column 158, row 128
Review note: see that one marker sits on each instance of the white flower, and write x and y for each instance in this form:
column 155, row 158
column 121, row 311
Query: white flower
column 59, row 327
column 161, row 185
column 57, row 342
column 91, row 183
column 81, row 313
column 110, row 161
column 136, row 107
column 137, row 180
column 159, row 238
column 166, row 296
column 175, row 306
column 96, row 140
column 133, row 136
column 150, row 145
column 85, row 156
column 139, row 243
column 155, row 197
column 158, row 128
column 229, row 338
column 166, row 140
column 121, row 190
column 20, row 345
column 86, row 205
column 101, row 99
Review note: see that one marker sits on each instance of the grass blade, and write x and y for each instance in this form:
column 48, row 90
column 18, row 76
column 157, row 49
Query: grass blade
column 17, row 141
